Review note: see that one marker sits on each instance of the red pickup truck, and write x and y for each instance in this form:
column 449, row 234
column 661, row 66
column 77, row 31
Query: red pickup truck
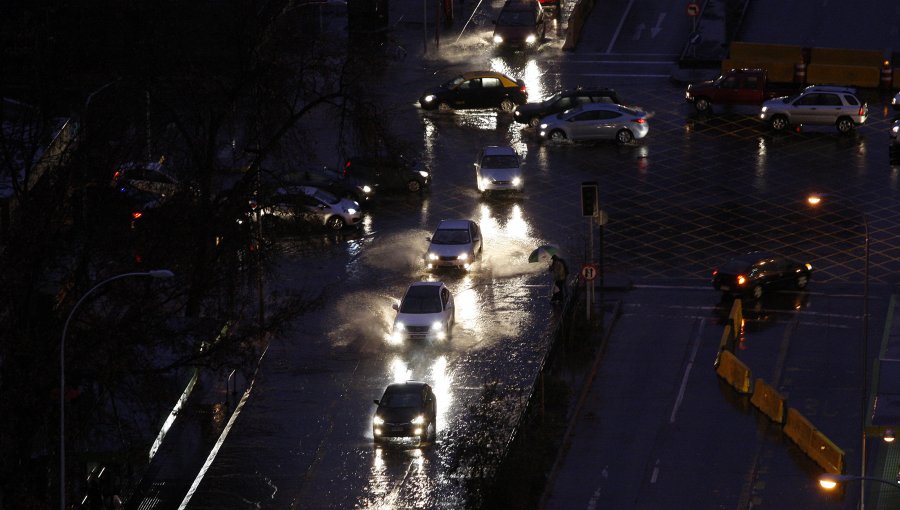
column 736, row 87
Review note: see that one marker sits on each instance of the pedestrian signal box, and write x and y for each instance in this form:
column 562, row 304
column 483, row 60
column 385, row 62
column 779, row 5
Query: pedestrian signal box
column 589, row 201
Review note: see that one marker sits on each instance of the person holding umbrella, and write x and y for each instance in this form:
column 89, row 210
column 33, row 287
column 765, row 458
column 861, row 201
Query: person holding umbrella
column 560, row 271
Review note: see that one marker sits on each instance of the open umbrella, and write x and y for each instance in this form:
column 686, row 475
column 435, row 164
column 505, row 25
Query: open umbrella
column 543, row 253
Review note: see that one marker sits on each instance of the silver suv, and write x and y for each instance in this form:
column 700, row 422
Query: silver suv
column 817, row 104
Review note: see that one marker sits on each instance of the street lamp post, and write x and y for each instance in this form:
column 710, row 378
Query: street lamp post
column 157, row 273
column 814, row 200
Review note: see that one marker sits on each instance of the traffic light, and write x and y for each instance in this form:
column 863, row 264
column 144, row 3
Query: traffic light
column 589, row 200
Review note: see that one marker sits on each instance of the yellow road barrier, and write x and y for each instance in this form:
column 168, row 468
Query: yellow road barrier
column 846, row 57
column 838, row 74
column 734, row 372
column 813, row 443
column 768, row 401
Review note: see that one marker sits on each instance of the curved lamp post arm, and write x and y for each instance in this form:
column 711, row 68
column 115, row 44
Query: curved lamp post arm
column 830, row 481
column 157, row 273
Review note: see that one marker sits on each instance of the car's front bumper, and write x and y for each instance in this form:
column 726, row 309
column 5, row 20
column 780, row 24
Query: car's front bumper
column 397, row 430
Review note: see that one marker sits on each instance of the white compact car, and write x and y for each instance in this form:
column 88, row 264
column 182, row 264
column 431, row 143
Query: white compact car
column 456, row 244
column 498, row 169
column 312, row 205
column 425, row 313
column 595, row 121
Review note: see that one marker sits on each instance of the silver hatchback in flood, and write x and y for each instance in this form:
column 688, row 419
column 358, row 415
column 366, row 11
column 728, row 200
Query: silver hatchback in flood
column 595, row 121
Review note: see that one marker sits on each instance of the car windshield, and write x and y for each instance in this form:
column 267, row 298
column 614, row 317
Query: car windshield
column 402, row 399
column 500, row 161
column 515, row 19
column 454, row 82
column 552, row 99
column 450, row 236
column 325, row 196
column 421, row 299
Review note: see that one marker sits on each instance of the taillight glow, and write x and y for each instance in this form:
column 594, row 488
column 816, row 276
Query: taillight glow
column 741, row 279
column 862, row 111
column 641, row 120
column 136, row 214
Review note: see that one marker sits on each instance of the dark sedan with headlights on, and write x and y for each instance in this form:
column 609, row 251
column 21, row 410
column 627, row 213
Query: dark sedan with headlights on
column 476, row 89
column 755, row 273
column 406, row 409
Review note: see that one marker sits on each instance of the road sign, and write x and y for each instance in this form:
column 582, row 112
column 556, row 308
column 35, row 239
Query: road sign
column 589, row 271
column 693, row 9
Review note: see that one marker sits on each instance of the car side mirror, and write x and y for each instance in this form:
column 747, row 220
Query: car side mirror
column 395, row 306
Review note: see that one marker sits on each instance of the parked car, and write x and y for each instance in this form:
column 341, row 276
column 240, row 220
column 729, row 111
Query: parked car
column 456, row 244
column 755, row 273
column 322, row 177
column 425, row 313
column 476, row 89
column 817, row 104
column 386, row 173
column 498, row 169
column 148, row 176
column 595, row 121
column 532, row 113
column 736, row 87
column 521, row 24
column 311, row 205
column 407, row 409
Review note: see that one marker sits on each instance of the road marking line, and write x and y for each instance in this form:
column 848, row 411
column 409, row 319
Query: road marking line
column 655, row 474
column 619, row 28
column 687, row 371
column 221, row 440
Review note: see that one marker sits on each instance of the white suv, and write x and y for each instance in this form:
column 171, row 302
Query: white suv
column 817, row 104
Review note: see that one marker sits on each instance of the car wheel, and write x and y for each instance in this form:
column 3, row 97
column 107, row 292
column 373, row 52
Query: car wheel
column 702, row 105
column 507, row 105
column 802, row 280
column 844, row 125
column 444, row 107
column 757, row 291
column 414, row 186
column 534, row 122
column 335, row 223
column 557, row 135
column 624, row 136
column 779, row 123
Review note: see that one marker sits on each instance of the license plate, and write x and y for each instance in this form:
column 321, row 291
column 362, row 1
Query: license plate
column 397, row 429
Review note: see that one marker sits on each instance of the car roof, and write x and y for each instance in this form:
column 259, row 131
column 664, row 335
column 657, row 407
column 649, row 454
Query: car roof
column 520, row 5
column 487, row 74
column 406, row 386
column 454, row 224
column 499, row 150
column 830, row 88
column 582, row 90
column 436, row 283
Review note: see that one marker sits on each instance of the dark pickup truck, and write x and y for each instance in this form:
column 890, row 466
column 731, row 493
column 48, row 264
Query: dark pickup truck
column 736, row 87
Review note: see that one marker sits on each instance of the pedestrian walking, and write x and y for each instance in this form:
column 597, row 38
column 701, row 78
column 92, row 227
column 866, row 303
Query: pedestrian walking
column 560, row 272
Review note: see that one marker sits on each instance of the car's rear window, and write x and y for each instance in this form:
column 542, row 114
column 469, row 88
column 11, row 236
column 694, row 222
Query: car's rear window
column 851, row 99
